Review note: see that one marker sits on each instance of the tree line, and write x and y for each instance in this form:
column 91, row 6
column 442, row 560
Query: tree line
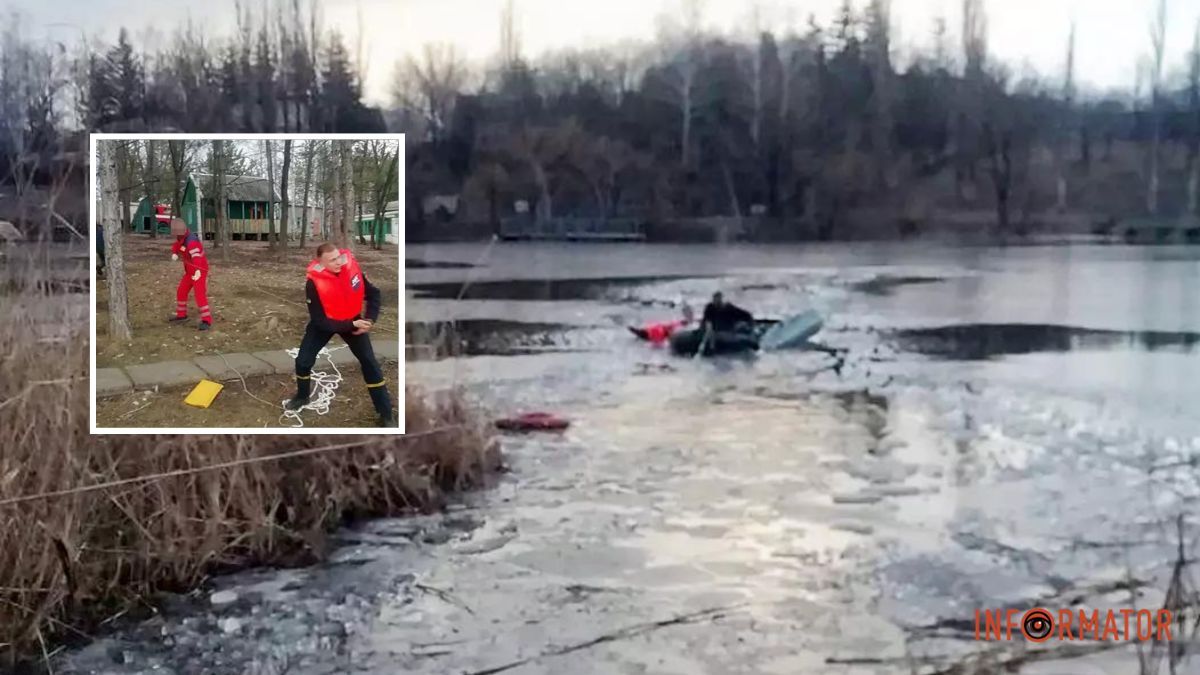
column 280, row 71
column 797, row 122
column 346, row 180
column 345, row 177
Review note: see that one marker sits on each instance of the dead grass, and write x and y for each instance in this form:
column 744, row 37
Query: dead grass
column 257, row 299
column 68, row 562
column 234, row 408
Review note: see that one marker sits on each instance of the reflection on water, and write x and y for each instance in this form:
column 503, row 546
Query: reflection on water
column 985, row 341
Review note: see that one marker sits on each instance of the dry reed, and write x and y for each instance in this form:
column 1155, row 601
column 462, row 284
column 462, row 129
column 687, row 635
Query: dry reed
column 70, row 561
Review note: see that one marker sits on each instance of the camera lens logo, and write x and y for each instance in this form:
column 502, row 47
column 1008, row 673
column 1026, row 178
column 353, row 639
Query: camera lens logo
column 1037, row 625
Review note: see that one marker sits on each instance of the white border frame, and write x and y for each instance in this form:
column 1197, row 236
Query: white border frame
column 399, row 394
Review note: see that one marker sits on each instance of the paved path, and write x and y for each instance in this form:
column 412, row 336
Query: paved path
column 115, row 381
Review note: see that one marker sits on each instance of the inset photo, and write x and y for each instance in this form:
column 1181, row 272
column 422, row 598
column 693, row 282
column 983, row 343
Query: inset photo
column 247, row 284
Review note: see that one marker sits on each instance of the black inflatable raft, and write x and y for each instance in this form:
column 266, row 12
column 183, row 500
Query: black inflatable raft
column 687, row 342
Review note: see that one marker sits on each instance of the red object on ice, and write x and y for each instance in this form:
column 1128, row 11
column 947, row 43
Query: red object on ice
column 534, row 421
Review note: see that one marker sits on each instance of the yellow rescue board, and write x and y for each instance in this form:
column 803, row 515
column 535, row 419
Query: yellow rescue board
column 204, row 393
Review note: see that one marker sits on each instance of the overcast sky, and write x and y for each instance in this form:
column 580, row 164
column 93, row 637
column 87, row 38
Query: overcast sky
column 1110, row 41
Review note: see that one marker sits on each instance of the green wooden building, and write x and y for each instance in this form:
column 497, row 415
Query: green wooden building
column 248, row 203
column 146, row 213
column 390, row 218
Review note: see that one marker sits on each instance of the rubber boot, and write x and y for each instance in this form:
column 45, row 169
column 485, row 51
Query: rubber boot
column 383, row 406
column 301, row 399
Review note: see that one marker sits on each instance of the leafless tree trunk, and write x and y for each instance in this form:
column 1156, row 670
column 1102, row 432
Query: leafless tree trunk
column 430, row 86
column 881, row 99
column 998, row 145
column 114, row 249
column 125, row 179
column 283, row 194
column 688, row 67
column 346, row 207
column 969, row 116
column 178, row 155
column 218, row 197
column 510, row 39
column 151, row 180
column 756, row 27
column 309, row 150
column 333, row 198
column 1194, row 143
column 355, row 201
column 271, row 194
column 382, row 190
column 1158, row 36
column 1065, row 132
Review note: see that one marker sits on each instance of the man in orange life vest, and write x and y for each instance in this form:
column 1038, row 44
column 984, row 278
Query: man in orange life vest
column 335, row 291
column 195, row 273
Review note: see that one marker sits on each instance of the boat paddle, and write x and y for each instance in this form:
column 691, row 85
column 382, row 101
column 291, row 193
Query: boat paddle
column 703, row 342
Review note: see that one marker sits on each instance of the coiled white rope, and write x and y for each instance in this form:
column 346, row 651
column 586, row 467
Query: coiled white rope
column 321, row 394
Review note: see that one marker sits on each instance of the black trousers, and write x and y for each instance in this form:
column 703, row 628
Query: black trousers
column 360, row 346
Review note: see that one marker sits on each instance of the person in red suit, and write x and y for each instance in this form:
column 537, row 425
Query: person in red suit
column 659, row 333
column 195, row 273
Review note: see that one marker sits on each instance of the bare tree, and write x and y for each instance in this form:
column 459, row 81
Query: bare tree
column 126, row 152
column 345, row 178
column 309, row 153
column 218, row 197
column 879, row 44
column 270, row 154
column 114, row 237
column 429, row 86
column 998, row 148
column 178, row 155
column 970, row 113
column 686, row 51
column 150, row 179
column 510, row 38
column 385, row 179
column 756, row 30
column 1158, row 38
column 283, row 194
column 1194, row 141
column 1065, row 124
column 357, row 190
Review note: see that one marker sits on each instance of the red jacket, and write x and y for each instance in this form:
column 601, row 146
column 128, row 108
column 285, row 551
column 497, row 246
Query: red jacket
column 191, row 250
column 661, row 332
column 341, row 294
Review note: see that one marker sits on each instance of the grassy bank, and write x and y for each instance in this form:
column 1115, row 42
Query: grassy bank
column 257, row 299
column 68, row 562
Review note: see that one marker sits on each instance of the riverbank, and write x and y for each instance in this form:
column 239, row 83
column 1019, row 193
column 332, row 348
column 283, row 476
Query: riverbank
column 878, row 226
column 81, row 556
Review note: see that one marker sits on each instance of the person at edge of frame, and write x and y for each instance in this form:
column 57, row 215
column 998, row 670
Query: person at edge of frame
column 335, row 290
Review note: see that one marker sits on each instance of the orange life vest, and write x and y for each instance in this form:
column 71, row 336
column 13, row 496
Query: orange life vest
column 341, row 294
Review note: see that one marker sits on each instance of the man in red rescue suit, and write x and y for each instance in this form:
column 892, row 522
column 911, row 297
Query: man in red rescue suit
column 195, row 273
column 335, row 290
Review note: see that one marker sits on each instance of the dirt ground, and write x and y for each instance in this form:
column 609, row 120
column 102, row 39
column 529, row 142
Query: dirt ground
column 234, row 408
column 256, row 295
